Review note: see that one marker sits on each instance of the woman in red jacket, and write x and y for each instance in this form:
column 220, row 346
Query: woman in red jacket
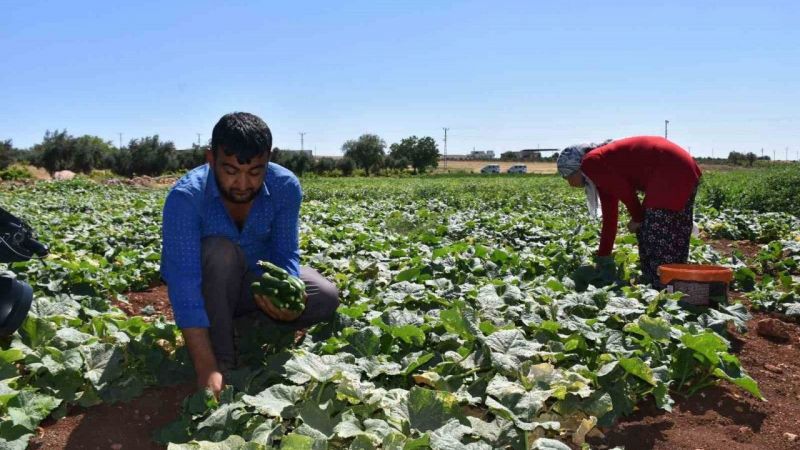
column 616, row 171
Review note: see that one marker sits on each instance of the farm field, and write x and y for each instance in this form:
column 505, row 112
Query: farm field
column 476, row 166
column 472, row 317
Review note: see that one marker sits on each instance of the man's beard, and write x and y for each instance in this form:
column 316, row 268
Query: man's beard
column 234, row 199
column 228, row 195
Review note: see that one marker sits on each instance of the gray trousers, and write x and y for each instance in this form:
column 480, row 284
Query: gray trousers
column 226, row 290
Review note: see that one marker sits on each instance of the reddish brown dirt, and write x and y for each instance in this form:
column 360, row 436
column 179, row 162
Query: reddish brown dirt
column 155, row 297
column 130, row 425
column 727, row 247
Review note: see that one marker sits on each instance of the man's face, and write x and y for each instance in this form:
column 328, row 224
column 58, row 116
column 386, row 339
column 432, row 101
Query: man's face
column 238, row 183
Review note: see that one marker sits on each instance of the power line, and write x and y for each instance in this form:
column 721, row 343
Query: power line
column 445, row 147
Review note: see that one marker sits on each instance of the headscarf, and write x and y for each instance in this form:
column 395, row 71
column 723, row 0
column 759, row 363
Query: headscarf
column 592, row 197
column 569, row 162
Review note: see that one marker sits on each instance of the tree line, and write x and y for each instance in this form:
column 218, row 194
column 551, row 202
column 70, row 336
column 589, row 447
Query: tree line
column 153, row 156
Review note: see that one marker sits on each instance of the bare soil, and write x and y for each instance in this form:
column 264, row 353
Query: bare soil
column 155, row 297
column 121, row 426
column 727, row 247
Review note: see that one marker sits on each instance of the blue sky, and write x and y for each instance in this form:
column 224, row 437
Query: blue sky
column 500, row 75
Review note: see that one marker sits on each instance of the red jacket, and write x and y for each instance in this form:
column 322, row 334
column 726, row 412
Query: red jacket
column 665, row 172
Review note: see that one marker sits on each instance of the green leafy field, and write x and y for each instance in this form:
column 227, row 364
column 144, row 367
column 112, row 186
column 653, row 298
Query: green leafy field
column 471, row 317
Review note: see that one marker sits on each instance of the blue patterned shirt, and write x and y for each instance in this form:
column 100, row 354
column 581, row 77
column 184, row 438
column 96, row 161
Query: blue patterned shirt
column 194, row 210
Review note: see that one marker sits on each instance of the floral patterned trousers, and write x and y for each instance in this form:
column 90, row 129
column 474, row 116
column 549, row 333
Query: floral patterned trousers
column 664, row 239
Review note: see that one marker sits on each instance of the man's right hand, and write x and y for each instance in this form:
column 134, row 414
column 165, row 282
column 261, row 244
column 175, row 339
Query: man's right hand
column 198, row 343
column 211, row 380
column 284, row 315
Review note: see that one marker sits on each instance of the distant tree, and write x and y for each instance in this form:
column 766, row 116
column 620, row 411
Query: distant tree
column 27, row 157
column 191, row 158
column 736, row 158
column 751, row 158
column 298, row 162
column 508, row 156
column 8, row 155
column 146, row 156
column 89, row 153
column 366, row 152
column 346, row 166
column 396, row 162
column 61, row 151
column 324, row 164
column 54, row 153
column 420, row 153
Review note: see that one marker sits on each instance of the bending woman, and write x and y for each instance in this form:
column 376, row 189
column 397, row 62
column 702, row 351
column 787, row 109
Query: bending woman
column 616, row 171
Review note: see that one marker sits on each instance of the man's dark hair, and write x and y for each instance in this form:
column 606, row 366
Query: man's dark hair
column 242, row 134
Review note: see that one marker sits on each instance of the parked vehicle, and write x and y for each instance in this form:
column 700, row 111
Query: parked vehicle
column 491, row 168
column 518, row 168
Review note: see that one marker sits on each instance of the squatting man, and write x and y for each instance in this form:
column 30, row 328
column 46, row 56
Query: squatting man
column 220, row 219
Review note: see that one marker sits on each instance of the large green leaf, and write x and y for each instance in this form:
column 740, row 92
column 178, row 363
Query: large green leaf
column 429, row 410
column 28, row 408
column 276, row 401
column 509, row 348
column 637, row 367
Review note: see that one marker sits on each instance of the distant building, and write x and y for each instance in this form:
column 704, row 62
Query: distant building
column 531, row 154
column 481, row 154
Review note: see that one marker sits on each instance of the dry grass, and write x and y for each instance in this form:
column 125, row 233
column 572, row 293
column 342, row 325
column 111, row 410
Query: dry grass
column 38, row 173
column 476, row 166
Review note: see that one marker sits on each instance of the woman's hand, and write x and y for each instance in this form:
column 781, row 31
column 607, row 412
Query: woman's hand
column 633, row 227
column 284, row 315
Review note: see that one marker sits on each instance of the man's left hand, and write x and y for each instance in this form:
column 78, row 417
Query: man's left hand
column 633, row 227
column 284, row 315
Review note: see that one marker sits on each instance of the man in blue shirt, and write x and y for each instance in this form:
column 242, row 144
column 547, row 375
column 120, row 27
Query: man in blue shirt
column 220, row 219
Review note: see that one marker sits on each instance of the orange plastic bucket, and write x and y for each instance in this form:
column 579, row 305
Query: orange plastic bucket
column 701, row 284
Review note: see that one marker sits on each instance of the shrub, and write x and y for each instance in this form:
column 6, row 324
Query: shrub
column 15, row 172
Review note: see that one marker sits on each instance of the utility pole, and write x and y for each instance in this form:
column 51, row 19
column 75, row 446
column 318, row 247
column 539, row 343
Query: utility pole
column 762, row 152
column 787, row 153
column 445, row 147
column 666, row 124
column 302, row 133
column 773, row 155
column 120, row 140
column 198, row 139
